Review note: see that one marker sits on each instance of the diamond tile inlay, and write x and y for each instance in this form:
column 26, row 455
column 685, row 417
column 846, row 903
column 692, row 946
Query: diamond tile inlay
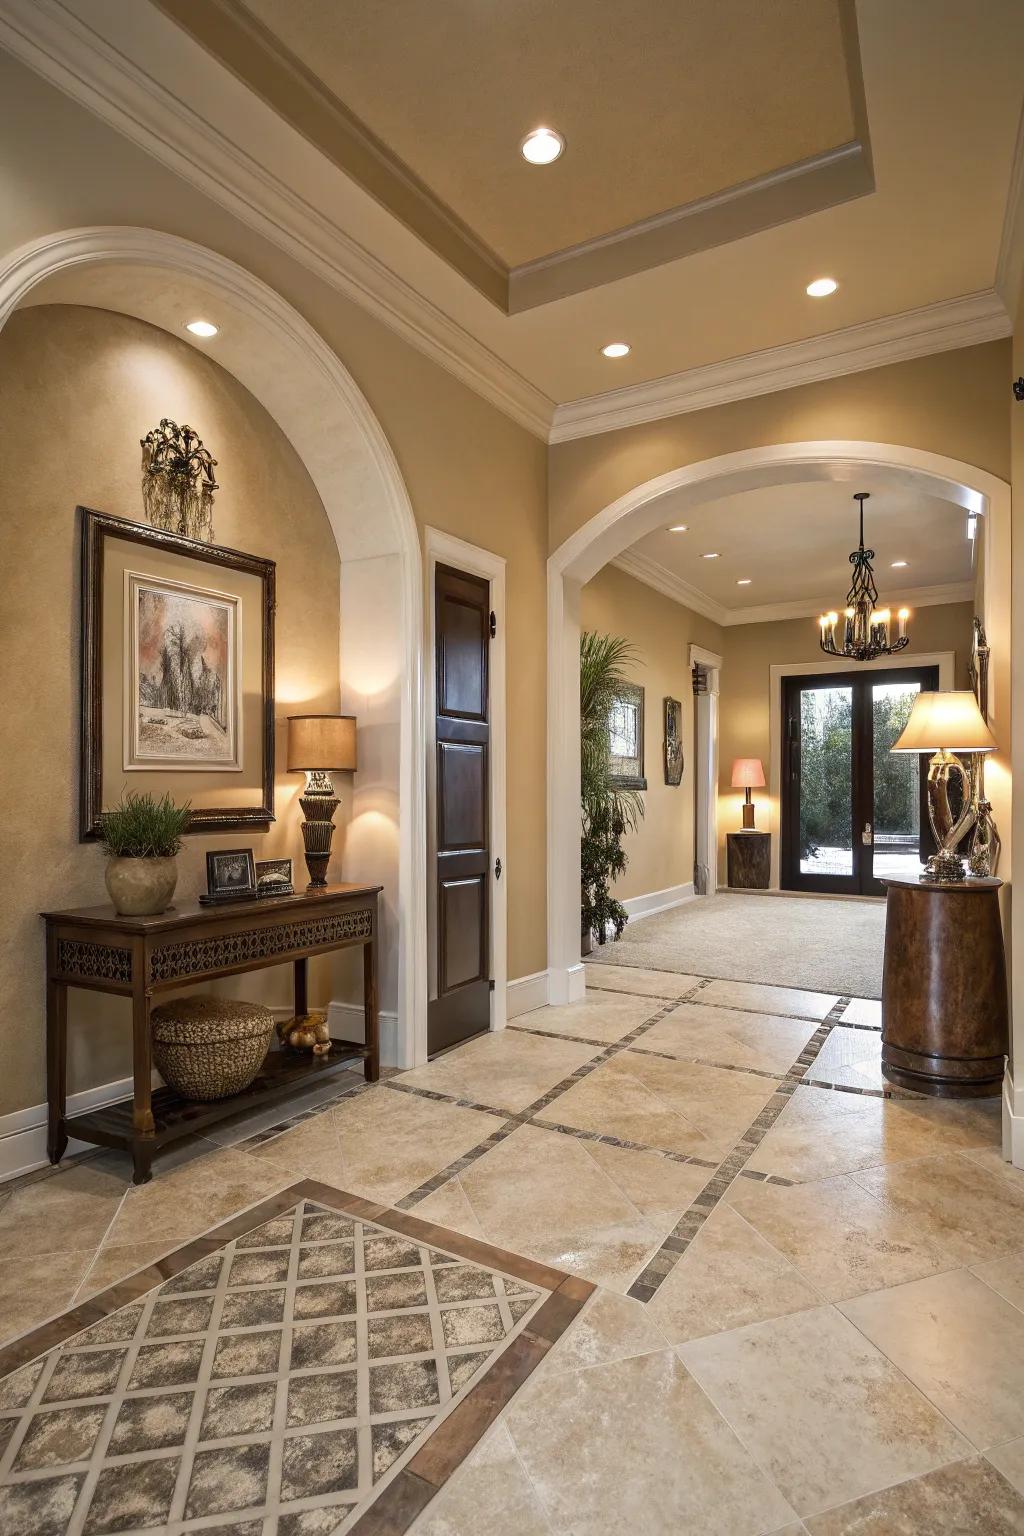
column 276, row 1385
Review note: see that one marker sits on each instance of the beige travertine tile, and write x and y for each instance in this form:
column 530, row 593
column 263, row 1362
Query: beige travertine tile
column 840, row 1239
column 38, row 1286
column 449, row 1207
column 679, row 1105
column 966, row 1497
column 185, row 1202
column 311, row 1150
column 972, row 1211
column 660, row 1188
column 1005, row 1276
column 490, row 1495
column 113, row 1262
column 391, row 1142
column 541, row 1194
column 1009, row 1458
column 71, row 1209
column 863, row 1011
column 599, row 1017
column 822, row 1410
column 636, row 1446
column 729, row 1035
column 765, row 999
column 728, row 1277
column 960, row 1343
column 611, row 1327
column 507, row 1070
column 642, row 983
column 849, row 1056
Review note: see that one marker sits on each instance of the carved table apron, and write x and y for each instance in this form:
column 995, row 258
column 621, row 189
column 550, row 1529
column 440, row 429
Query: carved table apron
column 141, row 957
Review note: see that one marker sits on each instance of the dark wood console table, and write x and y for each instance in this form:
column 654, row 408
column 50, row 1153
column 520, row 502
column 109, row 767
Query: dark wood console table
column 749, row 855
column 142, row 957
column 945, row 1015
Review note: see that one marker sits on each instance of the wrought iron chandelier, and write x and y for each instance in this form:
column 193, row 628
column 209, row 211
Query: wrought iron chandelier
column 867, row 629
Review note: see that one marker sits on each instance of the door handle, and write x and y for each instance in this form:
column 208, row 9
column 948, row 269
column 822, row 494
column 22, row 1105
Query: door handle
column 867, row 837
column 497, row 869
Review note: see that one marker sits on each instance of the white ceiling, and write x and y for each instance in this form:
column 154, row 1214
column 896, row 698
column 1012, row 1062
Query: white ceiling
column 794, row 541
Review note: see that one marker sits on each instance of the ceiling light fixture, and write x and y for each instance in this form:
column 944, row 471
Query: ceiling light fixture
column 712, row 555
column 542, row 146
column 201, row 328
column 898, row 565
column 616, row 349
column 743, row 581
column 680, row 528
column 822, row 287
column 865, row 625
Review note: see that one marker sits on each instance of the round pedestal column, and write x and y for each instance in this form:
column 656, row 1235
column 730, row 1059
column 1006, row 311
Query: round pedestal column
column 945, row 1024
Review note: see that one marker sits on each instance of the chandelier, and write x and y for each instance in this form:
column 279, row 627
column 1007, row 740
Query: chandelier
column 867, row 631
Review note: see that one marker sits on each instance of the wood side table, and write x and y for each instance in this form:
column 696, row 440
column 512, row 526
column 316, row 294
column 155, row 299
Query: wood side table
column 142, row 957
column 749, row 860
column 945, row 1016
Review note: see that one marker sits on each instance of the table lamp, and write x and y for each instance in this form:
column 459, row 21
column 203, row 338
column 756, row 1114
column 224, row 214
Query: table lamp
column 748, row 774
column 945, row 724
column 319, row 745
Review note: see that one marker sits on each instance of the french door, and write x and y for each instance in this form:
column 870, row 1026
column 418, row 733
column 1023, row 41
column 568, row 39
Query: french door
column 852, row 811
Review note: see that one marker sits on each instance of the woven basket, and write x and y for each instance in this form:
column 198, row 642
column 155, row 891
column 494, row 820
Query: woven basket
column 209, row 1047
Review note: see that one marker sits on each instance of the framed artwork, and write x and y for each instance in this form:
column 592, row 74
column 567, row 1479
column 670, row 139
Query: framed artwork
column 177, row 674
column 626, row 737
column 230, row 875
column 274, row 877
column 673, row 741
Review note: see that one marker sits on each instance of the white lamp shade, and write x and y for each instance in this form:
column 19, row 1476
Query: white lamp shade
column 747, row 773
column 950, row 722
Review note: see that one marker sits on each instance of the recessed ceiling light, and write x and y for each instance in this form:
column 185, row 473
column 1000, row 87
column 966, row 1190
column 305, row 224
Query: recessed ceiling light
column 743, row 581
column 542, row 146
column 616, row 349
column 680, row 528
column 898, row 565
column 713, row 555
column 201, row 328
column 822, row 287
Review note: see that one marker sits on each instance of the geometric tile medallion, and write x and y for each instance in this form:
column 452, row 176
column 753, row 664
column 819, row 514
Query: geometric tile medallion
column 319, row 1372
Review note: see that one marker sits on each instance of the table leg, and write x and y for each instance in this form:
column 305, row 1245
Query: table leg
column 143, row 1126
column 56, row 1069
column 301, row 989
column 371, row 1065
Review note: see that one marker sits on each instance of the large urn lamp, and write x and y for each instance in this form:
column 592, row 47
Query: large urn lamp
column 319, row 745
column 748, row 774
column 948, row 724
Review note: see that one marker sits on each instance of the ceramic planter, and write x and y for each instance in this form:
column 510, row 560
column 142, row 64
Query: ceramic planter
column 141, row 887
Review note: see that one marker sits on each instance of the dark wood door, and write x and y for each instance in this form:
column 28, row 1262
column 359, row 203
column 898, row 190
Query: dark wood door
column 852, row 812
column 460, row 1003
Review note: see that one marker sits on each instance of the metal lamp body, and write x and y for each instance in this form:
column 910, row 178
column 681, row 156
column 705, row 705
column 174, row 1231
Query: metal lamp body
column 947, row 865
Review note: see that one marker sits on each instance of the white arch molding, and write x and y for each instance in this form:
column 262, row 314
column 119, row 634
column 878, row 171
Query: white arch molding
column 639, row 512
column 301, row 382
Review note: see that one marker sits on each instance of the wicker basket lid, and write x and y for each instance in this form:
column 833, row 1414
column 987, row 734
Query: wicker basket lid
column 197, row 1020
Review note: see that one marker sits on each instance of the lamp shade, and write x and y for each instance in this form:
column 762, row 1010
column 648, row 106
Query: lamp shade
column 321, row 742
column 747, row 773
column 948, row 721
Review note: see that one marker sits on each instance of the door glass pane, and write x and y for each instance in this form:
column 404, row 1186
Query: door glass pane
column 826, row 781
column 897, row 776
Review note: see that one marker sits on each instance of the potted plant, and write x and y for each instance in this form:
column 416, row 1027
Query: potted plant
column 608, row 812
column 141, row 838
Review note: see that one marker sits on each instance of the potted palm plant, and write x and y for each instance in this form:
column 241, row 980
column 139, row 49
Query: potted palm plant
column 141, row 838
column 608, row 811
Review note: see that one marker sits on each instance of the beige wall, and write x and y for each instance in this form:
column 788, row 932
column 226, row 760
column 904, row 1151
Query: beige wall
column 953, row 403
column 78, row 389
column 661, row 850
column 749, row 650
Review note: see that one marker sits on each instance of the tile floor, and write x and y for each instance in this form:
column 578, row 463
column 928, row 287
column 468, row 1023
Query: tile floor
column 810, row 1306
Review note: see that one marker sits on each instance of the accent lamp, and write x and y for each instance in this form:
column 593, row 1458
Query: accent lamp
column 947, row 724
column 748, row 774
column 319, row 745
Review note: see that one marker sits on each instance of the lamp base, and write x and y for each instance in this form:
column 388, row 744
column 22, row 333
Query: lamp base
column 748, row 818
column 945, row 867
column 318, row 804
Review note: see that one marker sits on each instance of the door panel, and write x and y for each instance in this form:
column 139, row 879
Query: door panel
column 462, row 861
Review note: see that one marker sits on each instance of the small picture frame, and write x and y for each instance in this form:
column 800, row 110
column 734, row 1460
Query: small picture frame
column 274, row 877
column 230, row 876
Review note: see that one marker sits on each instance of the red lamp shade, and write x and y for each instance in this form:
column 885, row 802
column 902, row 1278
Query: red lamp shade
column 747, row 773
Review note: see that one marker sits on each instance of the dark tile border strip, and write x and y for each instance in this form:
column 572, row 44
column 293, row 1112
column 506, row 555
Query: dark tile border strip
column 662, row 1263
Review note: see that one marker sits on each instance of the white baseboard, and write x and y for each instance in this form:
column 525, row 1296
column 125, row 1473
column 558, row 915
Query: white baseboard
column 659, row 901
column 23, row 1133
column 1013, row 1121
column 567, row 984
column 347, row 1021
column 526, row 993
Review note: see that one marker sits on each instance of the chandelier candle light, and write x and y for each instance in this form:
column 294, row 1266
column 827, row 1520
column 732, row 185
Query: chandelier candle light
column 867, row 629
column 319, row 745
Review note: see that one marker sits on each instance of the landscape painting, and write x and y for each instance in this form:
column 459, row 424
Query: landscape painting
column 182, row 676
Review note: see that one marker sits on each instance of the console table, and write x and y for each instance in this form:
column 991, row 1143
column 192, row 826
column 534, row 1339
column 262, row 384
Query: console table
column 749, row 856
column 142, row 957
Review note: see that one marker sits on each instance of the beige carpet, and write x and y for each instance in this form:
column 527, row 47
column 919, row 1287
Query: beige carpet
column 792, row 941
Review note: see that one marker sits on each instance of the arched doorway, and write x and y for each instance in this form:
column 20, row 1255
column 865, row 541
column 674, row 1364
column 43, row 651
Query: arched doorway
column 286, row 365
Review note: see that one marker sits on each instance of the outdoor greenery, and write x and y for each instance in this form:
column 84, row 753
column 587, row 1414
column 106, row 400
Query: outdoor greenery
column 826, row 762
column 142, row 827
column 607, row 811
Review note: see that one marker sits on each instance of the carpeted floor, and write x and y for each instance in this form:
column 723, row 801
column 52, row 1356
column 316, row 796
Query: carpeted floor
column 790, row 941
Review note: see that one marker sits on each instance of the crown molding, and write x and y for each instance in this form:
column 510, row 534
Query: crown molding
column 941, row 327
column 1010, row 264
column 654, row 575
column 57, row 44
